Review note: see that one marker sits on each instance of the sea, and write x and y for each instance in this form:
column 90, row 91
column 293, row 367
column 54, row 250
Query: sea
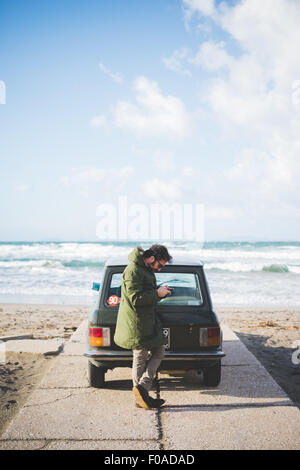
column 240, row 274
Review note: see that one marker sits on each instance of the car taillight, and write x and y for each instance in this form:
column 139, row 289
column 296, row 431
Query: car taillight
column 99, row 336
column 210, row 336
column 213, row 336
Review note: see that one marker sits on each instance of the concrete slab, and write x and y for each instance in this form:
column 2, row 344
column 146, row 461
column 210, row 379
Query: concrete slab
column 231, row 428
column 239, row 386
column 82, row 414
column 80, row 335
column 74, row 349
column 77, row 344
column 80, row 445
column 66, row 372
column 236, row 352
column 104, row 445
column 35, row 346
column 72, row 372
column 22, row 445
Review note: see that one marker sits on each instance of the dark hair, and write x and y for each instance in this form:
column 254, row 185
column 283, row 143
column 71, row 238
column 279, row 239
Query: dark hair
column 159, row 252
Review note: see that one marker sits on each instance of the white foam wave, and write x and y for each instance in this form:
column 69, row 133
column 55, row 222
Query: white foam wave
column 236, row 275
column 23, row 264
column 212, row 254
column 62, row 251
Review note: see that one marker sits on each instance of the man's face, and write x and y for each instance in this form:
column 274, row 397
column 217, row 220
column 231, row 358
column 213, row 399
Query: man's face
column 154, row 264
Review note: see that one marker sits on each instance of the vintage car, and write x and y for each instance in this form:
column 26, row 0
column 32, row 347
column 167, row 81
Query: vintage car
column 193, row 335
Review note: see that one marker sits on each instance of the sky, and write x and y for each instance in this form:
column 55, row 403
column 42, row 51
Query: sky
column 161, row 102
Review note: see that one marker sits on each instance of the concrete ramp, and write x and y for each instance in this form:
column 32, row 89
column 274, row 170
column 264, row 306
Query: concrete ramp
column 248, row 410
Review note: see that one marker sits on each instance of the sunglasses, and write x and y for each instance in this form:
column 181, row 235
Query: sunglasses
column 160, row 265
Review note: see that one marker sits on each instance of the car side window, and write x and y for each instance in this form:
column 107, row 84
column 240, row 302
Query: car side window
column 114, row 291
column 186, row 288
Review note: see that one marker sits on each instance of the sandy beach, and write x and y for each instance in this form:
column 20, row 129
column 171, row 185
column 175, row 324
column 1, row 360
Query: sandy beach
column 269, row 333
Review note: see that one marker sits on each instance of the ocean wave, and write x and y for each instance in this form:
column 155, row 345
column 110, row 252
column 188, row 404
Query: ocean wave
column 252, row 268
column 88, row 253
column 236, row 254
column 83, row 264
column 99, row 252
column 276, row 268
column 48, row 263
column 234, row 267
column 31, row 263
column 238, row 273
column 63, row 258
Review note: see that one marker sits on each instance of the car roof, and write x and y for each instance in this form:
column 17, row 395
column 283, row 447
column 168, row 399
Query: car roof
column 176, row 261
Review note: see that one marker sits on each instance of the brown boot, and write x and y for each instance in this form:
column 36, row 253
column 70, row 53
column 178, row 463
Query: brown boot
column 142, row 397
column 154, row 402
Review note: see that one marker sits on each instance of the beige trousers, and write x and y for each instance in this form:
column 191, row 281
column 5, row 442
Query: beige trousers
column 145, row 364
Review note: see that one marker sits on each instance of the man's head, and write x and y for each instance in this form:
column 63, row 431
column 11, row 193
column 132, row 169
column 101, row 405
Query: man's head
column 156, row 257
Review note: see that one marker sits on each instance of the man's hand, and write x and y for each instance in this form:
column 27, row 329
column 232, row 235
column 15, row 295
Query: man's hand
column 164, row 290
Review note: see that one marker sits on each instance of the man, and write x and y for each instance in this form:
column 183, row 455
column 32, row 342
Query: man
column 138, row 327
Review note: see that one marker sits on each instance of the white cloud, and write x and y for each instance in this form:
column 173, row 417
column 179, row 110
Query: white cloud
column 116, row 77
column 174, row 62
column 257, row 101
column 98, row 121
column 220, row 212
column 164, row 160
column 188, row 171
column 268, row 177
column 202, row 7
column 212, row 56
column 84, row 176
column 22, row 187
column 88, row 177
column 162, row 190
column 84, row 194
column 154, row 114
column 257, row 90
column 296, row 94
column 125, row 172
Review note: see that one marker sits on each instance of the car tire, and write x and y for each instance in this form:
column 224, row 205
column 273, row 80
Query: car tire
column 212, row 375
column 96, row 375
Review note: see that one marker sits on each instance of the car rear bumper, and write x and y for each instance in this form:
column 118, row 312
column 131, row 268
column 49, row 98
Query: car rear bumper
column 116, row 356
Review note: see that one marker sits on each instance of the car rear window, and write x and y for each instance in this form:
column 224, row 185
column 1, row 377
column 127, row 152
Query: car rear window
column 186, row 289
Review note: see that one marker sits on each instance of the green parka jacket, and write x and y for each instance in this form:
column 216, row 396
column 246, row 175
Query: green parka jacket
column 138, row 326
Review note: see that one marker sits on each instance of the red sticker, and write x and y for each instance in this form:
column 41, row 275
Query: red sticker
column 113, row 300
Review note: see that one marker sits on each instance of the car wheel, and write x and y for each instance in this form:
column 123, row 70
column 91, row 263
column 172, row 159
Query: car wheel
column 96, row 375
column 212, row 375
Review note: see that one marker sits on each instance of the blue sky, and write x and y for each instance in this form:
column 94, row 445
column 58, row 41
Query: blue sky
column 179, row 101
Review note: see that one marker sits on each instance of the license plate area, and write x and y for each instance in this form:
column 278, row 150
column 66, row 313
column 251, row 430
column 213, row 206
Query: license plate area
column 166, row 333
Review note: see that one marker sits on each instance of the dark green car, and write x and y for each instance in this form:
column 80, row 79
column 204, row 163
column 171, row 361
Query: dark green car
column 193, row 335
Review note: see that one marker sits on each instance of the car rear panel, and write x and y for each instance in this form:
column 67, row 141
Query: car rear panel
column 184, row 350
